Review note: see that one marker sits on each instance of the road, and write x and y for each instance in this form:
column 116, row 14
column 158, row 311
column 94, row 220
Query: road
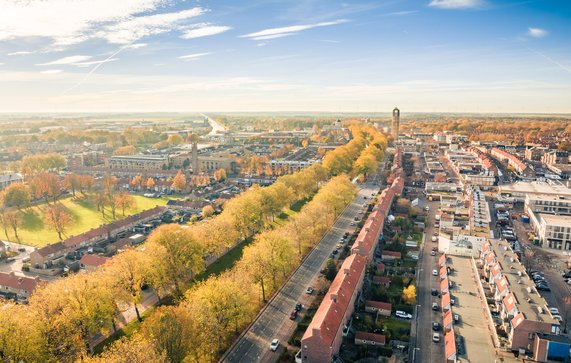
column 216, row 127
column 425, row 350
column 273, row 321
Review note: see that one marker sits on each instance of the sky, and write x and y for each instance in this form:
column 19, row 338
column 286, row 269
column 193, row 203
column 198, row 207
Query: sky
column 285, row 55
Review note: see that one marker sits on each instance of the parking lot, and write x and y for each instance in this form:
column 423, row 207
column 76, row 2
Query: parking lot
column 473, row 325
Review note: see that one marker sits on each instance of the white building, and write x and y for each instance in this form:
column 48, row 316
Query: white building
column 552, row 230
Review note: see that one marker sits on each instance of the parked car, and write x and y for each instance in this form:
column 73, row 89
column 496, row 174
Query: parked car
column 434, row 238
column 436, row 337
column 433, row 292
column 402, row 314
column 298, row 307
column 434, row 273
column 435, row 326
column 554, row 311
column 309, row 290
column 434, row 306
column 293, row 315
column 456, row 318
column 432, row 253
column 274, row 345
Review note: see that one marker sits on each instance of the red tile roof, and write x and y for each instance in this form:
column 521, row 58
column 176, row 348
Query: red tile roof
column 509, row 302
column 502, row 284
column 449, row 344
column 379, row 305
column 444, row 285
column 518, row 319
column 442, row 260
column 447, row 318
column 328, row 319
column 371, row 337
column 445, row 300
column 93, row 260
column 495, row 269
column 381, row 267
column 392, row 254
column 18, row 282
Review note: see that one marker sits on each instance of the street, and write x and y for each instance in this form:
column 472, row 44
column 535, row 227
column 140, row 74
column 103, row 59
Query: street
column 273, row 320
column 426, row 350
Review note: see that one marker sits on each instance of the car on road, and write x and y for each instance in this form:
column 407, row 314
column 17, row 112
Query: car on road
column 274, row 345
column 402, row 314
column 434, row 238
column 456, row 318
column 309, row 290
column 435, row 326
column 433, row 292
column 432, row 253
column 352, row 223
column 554, row 311
column 339, row 246
column 434, row 273
column 435, row 306
column 298, row 307
column 436, row 337
column 435, row 234
column 293, row 315
column 558, row 318
column 427, row 208
column 356, row 219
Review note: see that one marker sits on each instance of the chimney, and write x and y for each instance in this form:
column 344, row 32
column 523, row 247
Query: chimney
column 334, row 297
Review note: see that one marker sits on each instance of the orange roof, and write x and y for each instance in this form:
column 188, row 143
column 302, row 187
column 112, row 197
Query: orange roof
column 328, row 319
column 444, row 284
column 392, row 253
column 495, row 269
column 509, row 302
column 447, row 318
column 443, row 272
column 490, row 257
column 486, row 246
column 442, row 260
column 379, row 305
column 518, row 319
column 371, row 337
column 93, row 260
column 445, row 300
column 449, row 344
column 502, row 284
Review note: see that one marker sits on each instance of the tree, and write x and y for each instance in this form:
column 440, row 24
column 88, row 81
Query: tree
column 72, row 182
column 13, row 219
column 171, row 330
column 366, row 164
column 33, row 164
column 20, row 337
column 409, row 295
column 124, row 201
column 330, row 270
column 46, row 185
column 177, row 254
column 126, row 274
column 220, row 175
column 58, row 218
column 125, row 150
column 207, row 211
column 175, row 139
column 179, row 181
column 16, row 195
column 134, row 350
column 86, row 183
column 150, row 183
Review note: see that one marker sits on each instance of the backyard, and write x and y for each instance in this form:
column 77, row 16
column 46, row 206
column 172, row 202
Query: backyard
column 34, row 232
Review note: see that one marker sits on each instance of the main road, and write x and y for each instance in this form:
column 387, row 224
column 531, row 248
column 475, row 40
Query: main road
column 273, row 321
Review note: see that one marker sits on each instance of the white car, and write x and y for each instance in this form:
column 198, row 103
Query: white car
column 402, row 314
column 427, row 208
column 309, row 290
column 436, row 337
column 554, row 311
column 434, row 238
column 558, row 318
column 434, row 273
column 274, row 345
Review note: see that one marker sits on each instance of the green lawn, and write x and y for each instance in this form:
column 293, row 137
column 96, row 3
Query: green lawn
column 85, row 215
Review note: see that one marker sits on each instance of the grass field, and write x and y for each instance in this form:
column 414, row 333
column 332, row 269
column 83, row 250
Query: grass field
column 34, row 232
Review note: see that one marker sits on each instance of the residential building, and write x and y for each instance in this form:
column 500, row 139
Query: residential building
column 323, row 337
column 381, row 308
column 7, row 179
column 90, row 263
column 518, row 191
column 363, row 338
column 551, row 348
column 555, row 157
column 138, row 162
column 511, row 159
column 535, row 153
column 13, row 286
column 554, row 231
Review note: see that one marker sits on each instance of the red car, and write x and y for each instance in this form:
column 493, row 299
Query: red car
column 293, row 315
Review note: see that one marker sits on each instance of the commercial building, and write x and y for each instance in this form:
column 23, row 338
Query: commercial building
column 518, row 191
column 550, row 217
column 138, row 162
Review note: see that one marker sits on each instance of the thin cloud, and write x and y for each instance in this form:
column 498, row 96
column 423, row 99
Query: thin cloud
column 401, row 13
column 565, row 68
column 537, row 32
column 194, row 56
column 204, row 30
column 21, row 53
column 52, row 71
column 456, row 4
column 120, row 22
column 273, row 33
column 67, row 60
column 93, row 63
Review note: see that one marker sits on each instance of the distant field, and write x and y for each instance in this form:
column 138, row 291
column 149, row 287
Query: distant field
column 33, row 232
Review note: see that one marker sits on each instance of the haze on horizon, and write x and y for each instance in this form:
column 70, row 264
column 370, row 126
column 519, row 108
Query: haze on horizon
column 308, row 55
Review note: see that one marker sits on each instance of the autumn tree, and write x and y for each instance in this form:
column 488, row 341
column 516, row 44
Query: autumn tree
column 16, row 195
column 220, row 175
column 46, row 185
column 125, row 150
column 126, row 274
column 207, row 211
column 179, row 181
column 21, row 340
column 171, row 330
column 13, row 218
column 137, row 349
column 409, row 295
column 72, row 182
column 58, row 219
column 175, row 139
column 34, row 164
column 124, row 201
column 150, row 183
column 177, row 254
column 135, row 182
column 86, row 183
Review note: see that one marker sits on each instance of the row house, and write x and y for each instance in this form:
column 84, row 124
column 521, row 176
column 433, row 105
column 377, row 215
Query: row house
column 20, row 287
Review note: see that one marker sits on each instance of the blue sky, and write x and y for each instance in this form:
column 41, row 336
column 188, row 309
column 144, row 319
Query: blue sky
column 285, row 55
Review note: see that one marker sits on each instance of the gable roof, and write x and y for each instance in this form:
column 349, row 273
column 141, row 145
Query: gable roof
column 502, row 284
column 518, row 319
column 328, row 319
column 93, row 260
column 51, row 249
column 18, row 282
column 447, row 318
column 392, row 254
column 371, row 337
column 381, row 279
column 379, row 305
column 449, row 344
column 509, row 302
